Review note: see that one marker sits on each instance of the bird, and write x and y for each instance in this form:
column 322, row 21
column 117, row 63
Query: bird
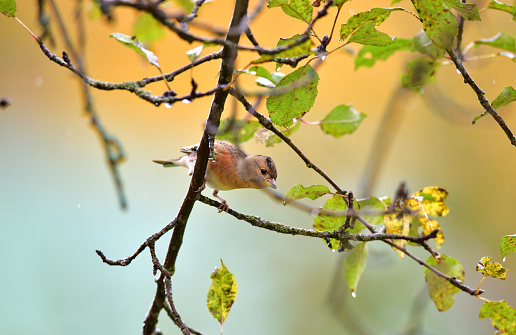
column 232, row 168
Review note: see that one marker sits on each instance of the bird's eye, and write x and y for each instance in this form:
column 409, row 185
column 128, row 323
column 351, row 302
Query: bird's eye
column 263, row 171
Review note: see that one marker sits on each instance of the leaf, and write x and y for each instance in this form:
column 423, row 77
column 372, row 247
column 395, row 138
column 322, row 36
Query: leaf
column 299, row 192
column 339, row 3
column 8, row 8
column 427, row 226
column 368, row 35
column 502, row 315
column 222, row 293
column 420, row 72
column 237, row 131
column 507, row 245
column 342, row 120
column 399, row 225
column 265, row 78
column 293, row 96
column 269, row 138
column 186, row 5
column 148, row 29
column 468, row 11
column 491, row 269
column 439, row 289
column 503, row 7
column 134, row 44
column 507, row 96
column 371, row 210
column 194, row 53
column 304, row 48
column 326, row 221
column 298, row 9
column 370, row 54
column 354, row 265
column 433, row 200
column 501, row 40
column 439, row 22
column 375, row 15
column 423, row 44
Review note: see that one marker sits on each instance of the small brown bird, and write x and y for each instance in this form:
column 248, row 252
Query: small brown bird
column 232, row 168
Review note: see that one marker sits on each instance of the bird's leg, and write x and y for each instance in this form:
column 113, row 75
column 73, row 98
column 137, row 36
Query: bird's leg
column 203, row 186
column 223, row 204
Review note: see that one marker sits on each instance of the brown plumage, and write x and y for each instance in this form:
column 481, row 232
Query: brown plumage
column 232, row 168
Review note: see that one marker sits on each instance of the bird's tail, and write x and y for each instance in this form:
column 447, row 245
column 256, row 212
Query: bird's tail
column 171, row 162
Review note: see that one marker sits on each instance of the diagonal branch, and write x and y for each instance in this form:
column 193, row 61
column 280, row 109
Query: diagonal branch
column 266, row 122
column 481, row 96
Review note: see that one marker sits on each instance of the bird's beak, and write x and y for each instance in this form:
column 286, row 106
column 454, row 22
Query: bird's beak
column 271, row 183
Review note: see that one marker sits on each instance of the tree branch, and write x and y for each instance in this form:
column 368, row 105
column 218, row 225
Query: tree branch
column 480, row 95
column 266, row 122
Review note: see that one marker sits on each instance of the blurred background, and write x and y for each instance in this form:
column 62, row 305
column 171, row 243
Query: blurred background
column 58, row 202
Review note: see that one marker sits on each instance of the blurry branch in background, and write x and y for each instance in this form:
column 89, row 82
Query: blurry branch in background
column 112, row 147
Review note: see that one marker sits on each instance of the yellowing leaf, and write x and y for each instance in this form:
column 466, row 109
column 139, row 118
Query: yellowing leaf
column 491, row 269
column 222, row 293
column 299, row 192
column 399, row 225
column 354, row 265
column 433, row 200
column 507, row 245
column 503, row 316
column 439, row 289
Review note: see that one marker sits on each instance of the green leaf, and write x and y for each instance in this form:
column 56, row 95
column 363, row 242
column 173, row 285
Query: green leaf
column 342, row 120
column 237, row 131
column 371, row 210
column 222, row 293
column 148, row 29
column 325, row 221
column 134, row 44
column 186, row 5
column 375, row 15
column 420, row 72
column 423, row 44
column 370, row 54
column 293, row 96
column 8, row 7
column 304, row 48
column 433, row 200
column 439, row 289
column 507, row 245
column 368, row 35
column 439, row 22
column 501, row 40
column 339, row 3
column 502, row 315
column 298, row 9
column 299, row 192
column 491, row 269
column 468, row 11
column 503, row 7
column 507, row 96
column 265, row 78
column 354, row 265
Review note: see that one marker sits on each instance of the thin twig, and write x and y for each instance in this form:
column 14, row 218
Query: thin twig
column 177, row 318
column 266, row 122
column 481, row 96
